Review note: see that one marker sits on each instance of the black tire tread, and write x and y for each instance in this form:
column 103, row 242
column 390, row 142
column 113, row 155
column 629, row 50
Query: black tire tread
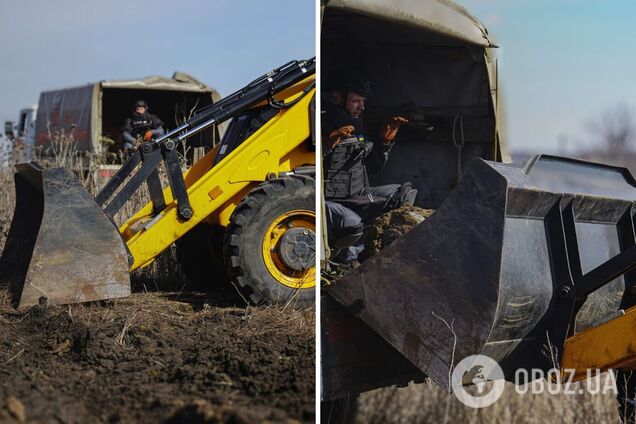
column 254, row 290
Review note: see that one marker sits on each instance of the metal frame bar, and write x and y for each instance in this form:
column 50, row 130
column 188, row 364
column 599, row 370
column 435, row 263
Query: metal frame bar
column 177, row 184
column 149, row 165
column 561, row 235
column 607, row 271
column 117, row 180
column 156, row 192
column 572, row 286
column 627, row 239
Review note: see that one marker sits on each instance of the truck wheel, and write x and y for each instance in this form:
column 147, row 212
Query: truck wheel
column 199, row 253
column 270, row 244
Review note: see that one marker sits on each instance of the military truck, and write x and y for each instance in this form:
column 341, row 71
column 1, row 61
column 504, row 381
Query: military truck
column 95, row 112
column 22, row 133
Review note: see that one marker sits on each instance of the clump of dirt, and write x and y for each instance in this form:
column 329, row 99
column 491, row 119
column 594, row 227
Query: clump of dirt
column 157, row 357
column 384, row 230
column 390, row 226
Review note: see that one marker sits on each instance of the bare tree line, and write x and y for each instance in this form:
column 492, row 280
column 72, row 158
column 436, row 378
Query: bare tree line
column 615, row 129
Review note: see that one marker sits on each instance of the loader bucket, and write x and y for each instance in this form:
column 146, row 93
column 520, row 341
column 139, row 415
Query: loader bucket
column 61, row 248
column 494, row 270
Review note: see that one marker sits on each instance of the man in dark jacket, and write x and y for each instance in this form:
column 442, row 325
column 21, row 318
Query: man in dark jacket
column 142, row 126
column 348, row 158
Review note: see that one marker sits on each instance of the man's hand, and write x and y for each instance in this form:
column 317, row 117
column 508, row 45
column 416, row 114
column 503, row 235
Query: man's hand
column 337, row 135
column 148, row 135
column 389, row 129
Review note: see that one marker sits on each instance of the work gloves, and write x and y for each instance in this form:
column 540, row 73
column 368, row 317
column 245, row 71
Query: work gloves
column 389, row 129
column 336, row 136
column 148, row 135
column 388, row 132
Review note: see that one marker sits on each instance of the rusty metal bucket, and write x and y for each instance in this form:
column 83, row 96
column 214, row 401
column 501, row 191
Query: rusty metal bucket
column 503, row 268
column 61, row 248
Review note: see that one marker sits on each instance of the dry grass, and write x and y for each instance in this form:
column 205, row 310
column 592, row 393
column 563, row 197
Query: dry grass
column 7, row 202
column 427, row 403
column 143, row 309
column 163, row 274
column 279, row 320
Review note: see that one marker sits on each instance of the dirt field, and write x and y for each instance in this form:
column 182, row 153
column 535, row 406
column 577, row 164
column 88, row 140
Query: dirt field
column 157, row 357
column 165, row 354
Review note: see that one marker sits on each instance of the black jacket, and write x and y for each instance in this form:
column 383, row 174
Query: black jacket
column 136, row 126
column 346, row 166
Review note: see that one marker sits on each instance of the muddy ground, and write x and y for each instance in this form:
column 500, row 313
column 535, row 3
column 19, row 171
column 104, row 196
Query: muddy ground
column 157, row 357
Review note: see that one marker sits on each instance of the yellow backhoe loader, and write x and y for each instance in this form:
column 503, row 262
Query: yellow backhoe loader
column 246, row 209
column 530, row 263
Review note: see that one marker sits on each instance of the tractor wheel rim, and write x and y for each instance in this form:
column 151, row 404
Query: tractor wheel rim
column 275, row 264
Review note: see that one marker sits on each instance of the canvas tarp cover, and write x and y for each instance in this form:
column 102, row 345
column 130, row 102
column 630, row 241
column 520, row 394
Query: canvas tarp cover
column 180, row 81
column 61, row 112
column 439, row 16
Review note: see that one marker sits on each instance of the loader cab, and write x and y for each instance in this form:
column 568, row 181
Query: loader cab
column 241, row 127
column 24, row 138
column 444, row 85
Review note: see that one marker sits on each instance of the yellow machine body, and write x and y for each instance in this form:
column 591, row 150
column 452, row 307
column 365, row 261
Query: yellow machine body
column 215, row 190
column 63, row 247
column 608, row 345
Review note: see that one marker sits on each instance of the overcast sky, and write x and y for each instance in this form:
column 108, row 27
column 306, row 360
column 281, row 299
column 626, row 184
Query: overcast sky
column 225, row 43
column 564, row 62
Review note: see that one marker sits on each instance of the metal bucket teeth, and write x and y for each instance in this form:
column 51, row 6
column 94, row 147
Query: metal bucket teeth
column 61, row 247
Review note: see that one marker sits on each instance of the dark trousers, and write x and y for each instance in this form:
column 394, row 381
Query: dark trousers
column 345, row 214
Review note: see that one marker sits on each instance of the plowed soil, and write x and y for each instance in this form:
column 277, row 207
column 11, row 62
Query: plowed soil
column 156, row 357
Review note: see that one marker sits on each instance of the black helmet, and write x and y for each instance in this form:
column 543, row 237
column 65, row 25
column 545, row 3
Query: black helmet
column 346, row 80
column 140, row 103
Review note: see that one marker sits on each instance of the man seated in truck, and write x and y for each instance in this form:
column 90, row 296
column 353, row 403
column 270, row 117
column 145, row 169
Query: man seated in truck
column 348, row 156
column 142, row 126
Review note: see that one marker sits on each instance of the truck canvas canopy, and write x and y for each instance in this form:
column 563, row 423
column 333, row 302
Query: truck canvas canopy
column 433, row 63
column 97, row 110
column 436, row 16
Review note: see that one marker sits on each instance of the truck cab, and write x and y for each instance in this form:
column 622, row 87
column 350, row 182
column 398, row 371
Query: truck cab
column 22, row 134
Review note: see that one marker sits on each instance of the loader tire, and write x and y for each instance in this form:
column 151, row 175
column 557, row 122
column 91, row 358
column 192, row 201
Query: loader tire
column 269, row 246
column 199, row 253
